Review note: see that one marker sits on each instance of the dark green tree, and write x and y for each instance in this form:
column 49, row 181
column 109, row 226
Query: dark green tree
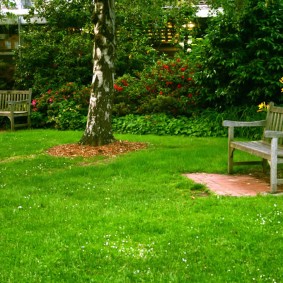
column 242, row 57
column 57, row 51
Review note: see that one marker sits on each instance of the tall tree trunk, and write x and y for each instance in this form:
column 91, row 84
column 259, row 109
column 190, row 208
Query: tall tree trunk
column 98, row 128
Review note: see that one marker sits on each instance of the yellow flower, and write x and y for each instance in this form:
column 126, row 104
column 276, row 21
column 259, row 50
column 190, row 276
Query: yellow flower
column 262, row 107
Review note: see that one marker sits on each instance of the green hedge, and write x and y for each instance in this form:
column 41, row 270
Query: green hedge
column 205, row 124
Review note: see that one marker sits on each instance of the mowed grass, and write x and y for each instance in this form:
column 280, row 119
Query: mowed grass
column 132, row 218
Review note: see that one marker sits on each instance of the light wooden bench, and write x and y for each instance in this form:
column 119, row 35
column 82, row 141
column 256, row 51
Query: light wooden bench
column 14, row 104
column 270, row 148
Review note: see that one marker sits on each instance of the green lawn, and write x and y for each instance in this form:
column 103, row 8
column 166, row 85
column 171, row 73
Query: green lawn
column 133, row 218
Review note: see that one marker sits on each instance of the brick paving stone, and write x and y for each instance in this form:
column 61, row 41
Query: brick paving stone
column 233, row 185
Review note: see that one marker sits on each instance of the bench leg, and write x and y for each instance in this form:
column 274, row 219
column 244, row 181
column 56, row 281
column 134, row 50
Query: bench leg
column 12, row 122
column 29, row 121
column 12, row 125
column 230, row 160
column 264, row 165
column 273, row 179
column 273, row 166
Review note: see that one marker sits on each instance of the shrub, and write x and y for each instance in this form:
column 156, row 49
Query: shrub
column 167, row 87
column 207, row 123
column 70, row 116
column 6, row 75
column 241, row 58
column 63, row 108
column 50, row 57
column 66, row 109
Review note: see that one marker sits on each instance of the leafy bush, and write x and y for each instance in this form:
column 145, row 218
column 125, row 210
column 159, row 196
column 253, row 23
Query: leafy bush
column 6, row 75
column 63, row 108
column 141, row 31
column 207, row 123
column 241, row 57
column 50, row 57
column 161, row 124
column 167, row 87
column 66, row 108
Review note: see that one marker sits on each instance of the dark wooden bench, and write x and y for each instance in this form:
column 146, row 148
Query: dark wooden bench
column 270, row 148
column 14, row 104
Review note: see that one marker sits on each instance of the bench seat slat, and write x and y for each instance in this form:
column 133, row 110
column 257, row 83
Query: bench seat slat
column 258, row 148
column 7, row 113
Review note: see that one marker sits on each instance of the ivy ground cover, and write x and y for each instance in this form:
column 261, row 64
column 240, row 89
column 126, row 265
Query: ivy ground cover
column 132, row 218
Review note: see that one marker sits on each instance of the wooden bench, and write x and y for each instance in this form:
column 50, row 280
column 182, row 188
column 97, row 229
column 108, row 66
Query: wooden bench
column 270, row 148
column 14, row 104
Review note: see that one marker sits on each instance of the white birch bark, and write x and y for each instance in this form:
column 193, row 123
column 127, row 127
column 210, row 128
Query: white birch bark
column 98, row 128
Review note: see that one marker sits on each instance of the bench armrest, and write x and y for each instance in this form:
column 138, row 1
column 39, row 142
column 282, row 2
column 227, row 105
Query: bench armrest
column 228, row 123
column 273, row 134
column 232, row 124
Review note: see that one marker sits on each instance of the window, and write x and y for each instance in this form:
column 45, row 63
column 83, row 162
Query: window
column 26, row 4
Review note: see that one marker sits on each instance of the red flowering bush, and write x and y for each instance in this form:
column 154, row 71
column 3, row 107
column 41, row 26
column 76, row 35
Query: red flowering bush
column 168, row 87
column 63, row 108
column 127, row 95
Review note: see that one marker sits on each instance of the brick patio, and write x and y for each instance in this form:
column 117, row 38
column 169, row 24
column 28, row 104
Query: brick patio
column 233, row 185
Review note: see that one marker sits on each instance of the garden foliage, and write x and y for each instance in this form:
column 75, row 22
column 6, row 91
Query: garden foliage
column 139, row 28
column 63, row 108
column 206, row 123
column 241, row 57
column 66, row 108
column 60, row 51
column 235, row 67
column 167, row 87
column 51, row 57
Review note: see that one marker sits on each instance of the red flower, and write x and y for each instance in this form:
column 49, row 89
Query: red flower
column 183, row 69
column 189, row 79
column 179, row 86
column 118, row 88
column 160, row 92
column 190, row 95
column 169, row 83
column 166, row 67
column 125, row 83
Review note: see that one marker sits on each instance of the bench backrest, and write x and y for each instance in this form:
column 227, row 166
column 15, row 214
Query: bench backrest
column 7, row 96
column 274, row 120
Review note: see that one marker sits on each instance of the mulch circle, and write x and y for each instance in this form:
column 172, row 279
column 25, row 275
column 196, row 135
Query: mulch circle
column 109, row 150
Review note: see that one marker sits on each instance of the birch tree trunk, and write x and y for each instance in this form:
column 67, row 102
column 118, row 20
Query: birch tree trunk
column 98, row 128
